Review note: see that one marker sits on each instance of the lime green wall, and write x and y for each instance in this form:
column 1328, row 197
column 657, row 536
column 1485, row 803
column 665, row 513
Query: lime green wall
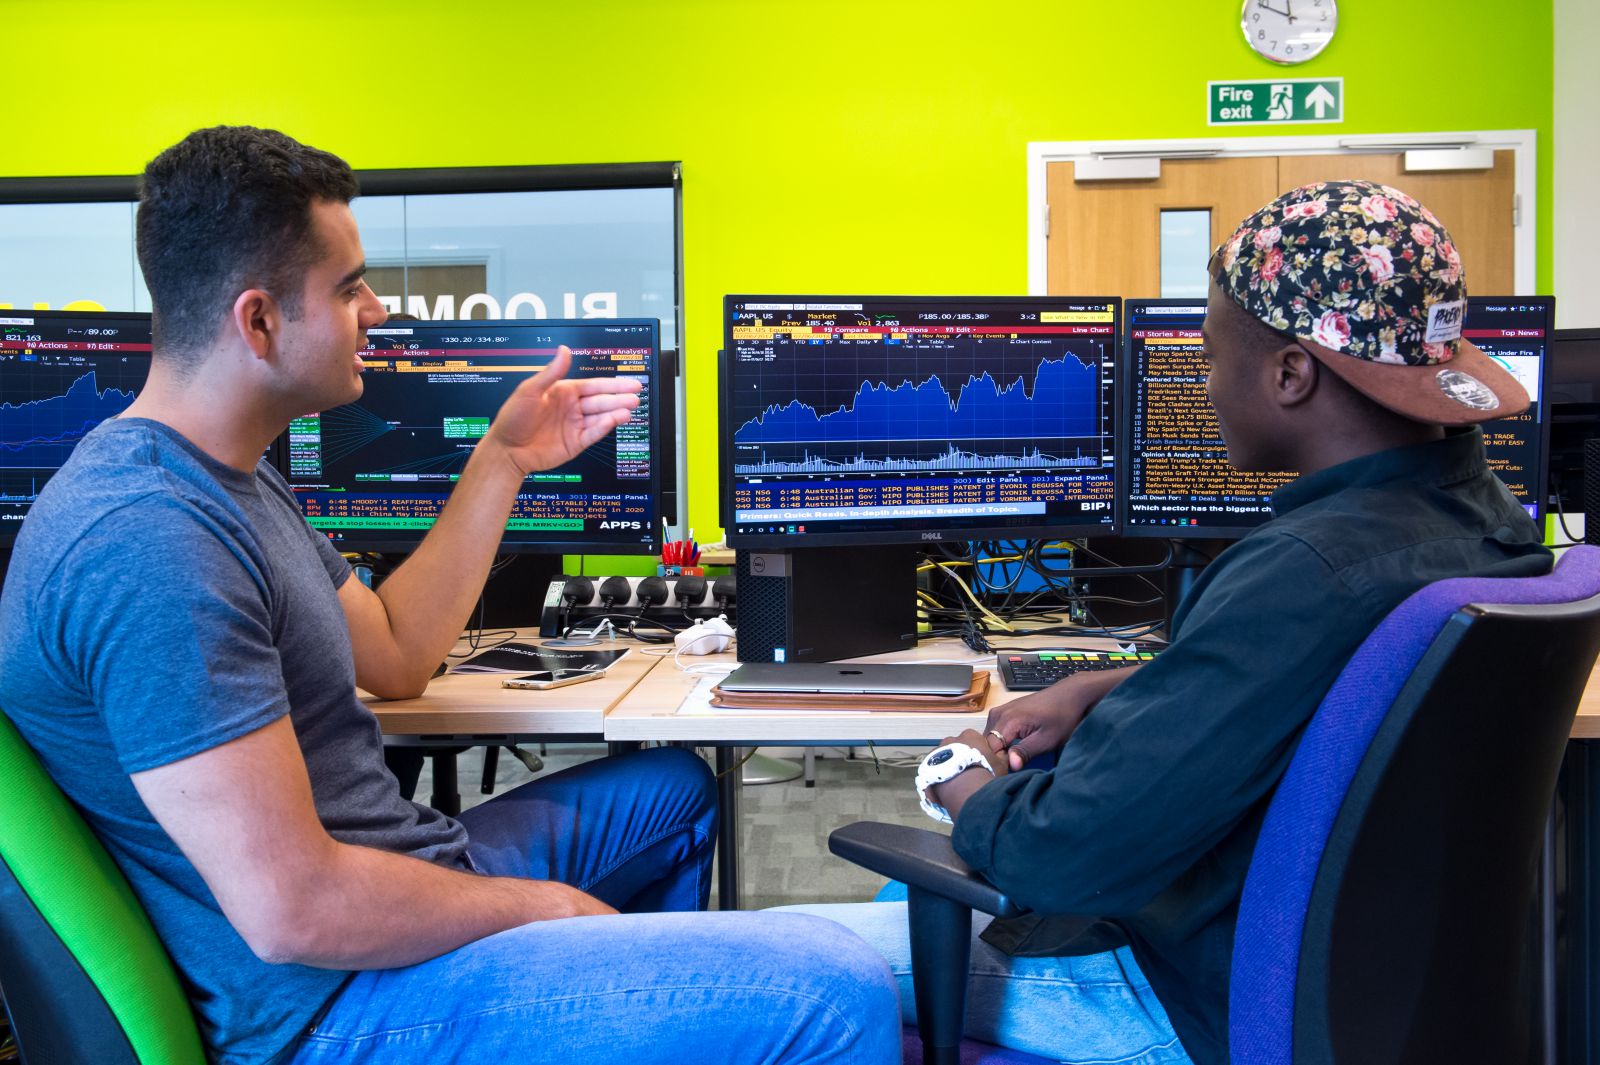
column 834, row 145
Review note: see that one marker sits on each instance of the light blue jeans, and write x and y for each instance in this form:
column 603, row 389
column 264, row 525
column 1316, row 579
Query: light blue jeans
column 1092, row 1010
column 671, row 988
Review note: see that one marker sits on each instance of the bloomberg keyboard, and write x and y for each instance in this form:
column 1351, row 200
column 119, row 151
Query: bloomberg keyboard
column 1032, row 671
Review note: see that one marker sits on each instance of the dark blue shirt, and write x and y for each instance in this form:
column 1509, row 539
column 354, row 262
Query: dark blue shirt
column 1150, row 817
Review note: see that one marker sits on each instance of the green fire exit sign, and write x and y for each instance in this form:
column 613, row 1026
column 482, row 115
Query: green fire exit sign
column 1287, row 100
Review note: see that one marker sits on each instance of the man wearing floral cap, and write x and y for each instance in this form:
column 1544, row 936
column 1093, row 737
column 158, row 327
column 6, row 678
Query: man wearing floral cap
column 1333, row 336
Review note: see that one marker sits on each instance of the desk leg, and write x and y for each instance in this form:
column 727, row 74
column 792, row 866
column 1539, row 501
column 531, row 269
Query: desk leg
column 446, row 796
column 729, row 783
column 1581, row 793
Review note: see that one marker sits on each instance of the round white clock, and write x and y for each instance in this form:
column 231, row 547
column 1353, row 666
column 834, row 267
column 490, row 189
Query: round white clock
column 1289, row 31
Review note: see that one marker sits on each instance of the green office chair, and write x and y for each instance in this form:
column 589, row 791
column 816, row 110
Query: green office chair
column 84, row 977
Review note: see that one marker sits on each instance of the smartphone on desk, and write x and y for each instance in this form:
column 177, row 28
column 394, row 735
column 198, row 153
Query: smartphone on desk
column 547, row 678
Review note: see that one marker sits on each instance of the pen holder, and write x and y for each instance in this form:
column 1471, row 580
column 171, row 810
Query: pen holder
column 664, row 570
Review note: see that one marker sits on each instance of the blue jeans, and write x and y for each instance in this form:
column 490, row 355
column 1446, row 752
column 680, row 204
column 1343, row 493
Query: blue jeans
column 637, row 832
column 1097, row 1009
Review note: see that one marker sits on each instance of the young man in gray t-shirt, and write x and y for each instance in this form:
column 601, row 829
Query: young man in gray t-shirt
column 182, row 650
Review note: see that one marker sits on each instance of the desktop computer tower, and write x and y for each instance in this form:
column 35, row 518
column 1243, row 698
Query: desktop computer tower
column 823, row 604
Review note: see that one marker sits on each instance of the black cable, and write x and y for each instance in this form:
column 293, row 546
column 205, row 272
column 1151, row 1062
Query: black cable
column 631, row 619
column 1561, row 514
column 972, row 636
column 474, row 639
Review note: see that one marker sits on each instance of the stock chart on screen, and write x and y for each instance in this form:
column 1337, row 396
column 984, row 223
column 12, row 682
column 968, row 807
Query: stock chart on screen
column 376, row 474
column 61, row 374
column 884, row 419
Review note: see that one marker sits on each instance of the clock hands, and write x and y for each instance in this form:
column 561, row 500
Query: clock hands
column 1287, row 13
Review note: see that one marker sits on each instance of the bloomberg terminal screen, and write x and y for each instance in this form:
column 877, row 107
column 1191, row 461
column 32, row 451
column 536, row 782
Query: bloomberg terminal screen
column 878, row 419
column 61, row 374
column 1180, row 483
column 375, row 474
column 1179, row 480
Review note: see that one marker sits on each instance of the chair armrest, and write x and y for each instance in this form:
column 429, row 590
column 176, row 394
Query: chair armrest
column 920, row 859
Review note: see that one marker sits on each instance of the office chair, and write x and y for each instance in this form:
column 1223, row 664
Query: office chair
column 85, row 980
column 1387, row 909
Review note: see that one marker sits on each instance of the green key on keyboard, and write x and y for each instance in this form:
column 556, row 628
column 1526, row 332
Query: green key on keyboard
column 1031, row 671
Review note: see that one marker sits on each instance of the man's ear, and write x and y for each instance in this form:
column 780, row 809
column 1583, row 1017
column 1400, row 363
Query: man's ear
column 1294, row 374
column 258, row 320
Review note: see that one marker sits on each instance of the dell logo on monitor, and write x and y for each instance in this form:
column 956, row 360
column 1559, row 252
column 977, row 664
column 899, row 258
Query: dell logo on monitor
column 933, row 536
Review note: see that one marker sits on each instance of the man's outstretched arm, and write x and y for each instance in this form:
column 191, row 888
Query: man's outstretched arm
column 405, row 629
column 243, row 814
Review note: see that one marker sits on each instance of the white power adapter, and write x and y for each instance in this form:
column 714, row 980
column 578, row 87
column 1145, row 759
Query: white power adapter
column 705, row 637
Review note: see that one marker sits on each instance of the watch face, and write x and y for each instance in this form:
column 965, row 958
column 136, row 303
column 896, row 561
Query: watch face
column 941, row 757
column 1289, row 31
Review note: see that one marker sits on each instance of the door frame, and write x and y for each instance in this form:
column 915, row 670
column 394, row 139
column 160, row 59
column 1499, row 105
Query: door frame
column 1523, row 143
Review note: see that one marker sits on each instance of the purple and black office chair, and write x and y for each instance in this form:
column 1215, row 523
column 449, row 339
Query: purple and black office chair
column 1387, row 915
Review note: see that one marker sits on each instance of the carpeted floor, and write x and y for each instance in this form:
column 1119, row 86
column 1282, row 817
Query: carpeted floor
column 784, row 826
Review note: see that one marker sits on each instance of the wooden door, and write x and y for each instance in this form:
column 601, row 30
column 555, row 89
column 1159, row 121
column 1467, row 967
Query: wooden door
column 1476, row 206
column 1105, row 236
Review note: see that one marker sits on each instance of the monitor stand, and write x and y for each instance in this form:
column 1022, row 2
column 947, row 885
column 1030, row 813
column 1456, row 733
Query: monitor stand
column 1188, row 563
column 513, row 597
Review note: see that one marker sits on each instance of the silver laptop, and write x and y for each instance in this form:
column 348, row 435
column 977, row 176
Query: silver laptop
column 844, row 678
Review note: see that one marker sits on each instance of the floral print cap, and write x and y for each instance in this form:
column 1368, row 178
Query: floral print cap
column 1360, row 269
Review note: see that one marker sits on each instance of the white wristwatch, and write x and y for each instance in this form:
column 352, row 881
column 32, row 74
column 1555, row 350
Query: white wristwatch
column 942, row 764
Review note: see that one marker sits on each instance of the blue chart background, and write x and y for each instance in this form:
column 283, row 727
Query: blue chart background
column 42, row 432
column 1062, row 403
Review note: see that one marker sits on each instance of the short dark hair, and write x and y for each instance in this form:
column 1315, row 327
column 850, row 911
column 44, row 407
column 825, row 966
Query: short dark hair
column 227, row 209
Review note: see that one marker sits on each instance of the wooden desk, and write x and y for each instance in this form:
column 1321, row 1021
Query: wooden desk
column 466, row 705
column 651, row 712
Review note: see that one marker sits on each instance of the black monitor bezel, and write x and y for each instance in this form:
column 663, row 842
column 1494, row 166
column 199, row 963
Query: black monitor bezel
column 519, row 547
column 1057, row 530
column 1538, row 477
column 1586, row 336
column 8, row 532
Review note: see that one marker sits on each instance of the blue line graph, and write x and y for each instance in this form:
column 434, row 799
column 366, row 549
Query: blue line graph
column 41, row 433
column 1064, row 404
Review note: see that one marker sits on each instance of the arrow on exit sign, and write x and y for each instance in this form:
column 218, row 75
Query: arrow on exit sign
column 1281, row 102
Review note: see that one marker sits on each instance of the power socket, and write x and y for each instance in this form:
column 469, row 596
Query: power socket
column 558, row 613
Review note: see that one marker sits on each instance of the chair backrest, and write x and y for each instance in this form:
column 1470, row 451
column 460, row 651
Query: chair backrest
column 84, row 977
column 1387, row 910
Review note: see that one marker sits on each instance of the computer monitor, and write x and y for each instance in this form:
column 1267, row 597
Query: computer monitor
column 61, row 374
column 1178, row 479
column 1515, row 331
column 1572, row 382
column 373, row 475
column 856, row 420
column 1179, row 483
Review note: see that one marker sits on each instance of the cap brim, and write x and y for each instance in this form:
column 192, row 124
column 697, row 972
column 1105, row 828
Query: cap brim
column 1469, row 389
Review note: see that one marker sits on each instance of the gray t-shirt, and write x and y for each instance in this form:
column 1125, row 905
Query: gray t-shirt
column 160, row 603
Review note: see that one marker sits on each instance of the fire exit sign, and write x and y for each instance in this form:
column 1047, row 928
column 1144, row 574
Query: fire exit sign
column 1281, row 102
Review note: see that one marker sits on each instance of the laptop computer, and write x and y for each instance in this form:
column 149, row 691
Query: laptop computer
column 845, row 678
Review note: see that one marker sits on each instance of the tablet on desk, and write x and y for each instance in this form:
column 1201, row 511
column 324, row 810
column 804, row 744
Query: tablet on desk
column 844, row 678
